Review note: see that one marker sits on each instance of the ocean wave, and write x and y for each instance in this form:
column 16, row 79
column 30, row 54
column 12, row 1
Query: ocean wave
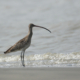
column 47, row 59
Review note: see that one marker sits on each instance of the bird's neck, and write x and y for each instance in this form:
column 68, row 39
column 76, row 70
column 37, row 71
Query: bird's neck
column 30, row 32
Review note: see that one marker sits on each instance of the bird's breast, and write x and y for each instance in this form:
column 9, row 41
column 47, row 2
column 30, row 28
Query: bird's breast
column 27, row 45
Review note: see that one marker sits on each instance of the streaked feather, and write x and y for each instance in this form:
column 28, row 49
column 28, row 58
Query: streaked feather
column 19, row 45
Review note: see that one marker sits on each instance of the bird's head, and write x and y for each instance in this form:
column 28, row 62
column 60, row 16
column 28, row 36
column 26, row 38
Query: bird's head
column 32, row 25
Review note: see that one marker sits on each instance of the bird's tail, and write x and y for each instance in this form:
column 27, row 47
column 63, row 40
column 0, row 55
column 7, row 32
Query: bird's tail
column 8, row 51
column 5, row 52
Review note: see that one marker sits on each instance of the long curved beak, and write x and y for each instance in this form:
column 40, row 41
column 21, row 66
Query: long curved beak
column 43, row 28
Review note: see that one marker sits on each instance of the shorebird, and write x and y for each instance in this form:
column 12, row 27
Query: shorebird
column 24, row 43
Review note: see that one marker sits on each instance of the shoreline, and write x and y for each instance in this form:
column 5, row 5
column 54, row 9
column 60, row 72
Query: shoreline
column 40, row 73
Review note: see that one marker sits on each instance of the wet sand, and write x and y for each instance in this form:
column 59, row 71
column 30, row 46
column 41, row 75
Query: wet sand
column 40, row 73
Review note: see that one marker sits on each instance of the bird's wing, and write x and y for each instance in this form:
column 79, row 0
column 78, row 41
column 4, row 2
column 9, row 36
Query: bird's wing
column 18, row 46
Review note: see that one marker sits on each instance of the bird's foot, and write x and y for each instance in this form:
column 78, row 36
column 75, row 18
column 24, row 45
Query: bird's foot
column 23, row 65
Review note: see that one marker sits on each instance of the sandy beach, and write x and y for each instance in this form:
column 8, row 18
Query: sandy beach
column 40, row 73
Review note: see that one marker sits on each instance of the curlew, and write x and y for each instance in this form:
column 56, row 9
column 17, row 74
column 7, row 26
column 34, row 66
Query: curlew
column 24, row 43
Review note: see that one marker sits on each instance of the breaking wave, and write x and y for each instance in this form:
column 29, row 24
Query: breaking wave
column 47, row 59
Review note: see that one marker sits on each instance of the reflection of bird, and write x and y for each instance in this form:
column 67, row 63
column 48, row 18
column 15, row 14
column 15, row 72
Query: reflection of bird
column 24, row 43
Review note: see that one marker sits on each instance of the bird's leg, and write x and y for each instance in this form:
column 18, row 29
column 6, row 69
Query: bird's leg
column 23, row 58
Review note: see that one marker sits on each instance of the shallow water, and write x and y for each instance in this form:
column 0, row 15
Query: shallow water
column 42, row 60
column 62, row 17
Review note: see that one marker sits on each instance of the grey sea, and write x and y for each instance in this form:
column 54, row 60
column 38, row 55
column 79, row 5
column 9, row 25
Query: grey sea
column 61, row 48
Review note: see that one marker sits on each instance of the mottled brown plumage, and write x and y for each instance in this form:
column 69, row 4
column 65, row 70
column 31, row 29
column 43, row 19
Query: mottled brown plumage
column 19, row 45
column 24, row 43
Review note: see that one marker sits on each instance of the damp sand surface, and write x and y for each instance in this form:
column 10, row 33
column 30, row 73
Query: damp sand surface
column 66, row 73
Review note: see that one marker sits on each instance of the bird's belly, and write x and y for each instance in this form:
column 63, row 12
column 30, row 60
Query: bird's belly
column 26, row 46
